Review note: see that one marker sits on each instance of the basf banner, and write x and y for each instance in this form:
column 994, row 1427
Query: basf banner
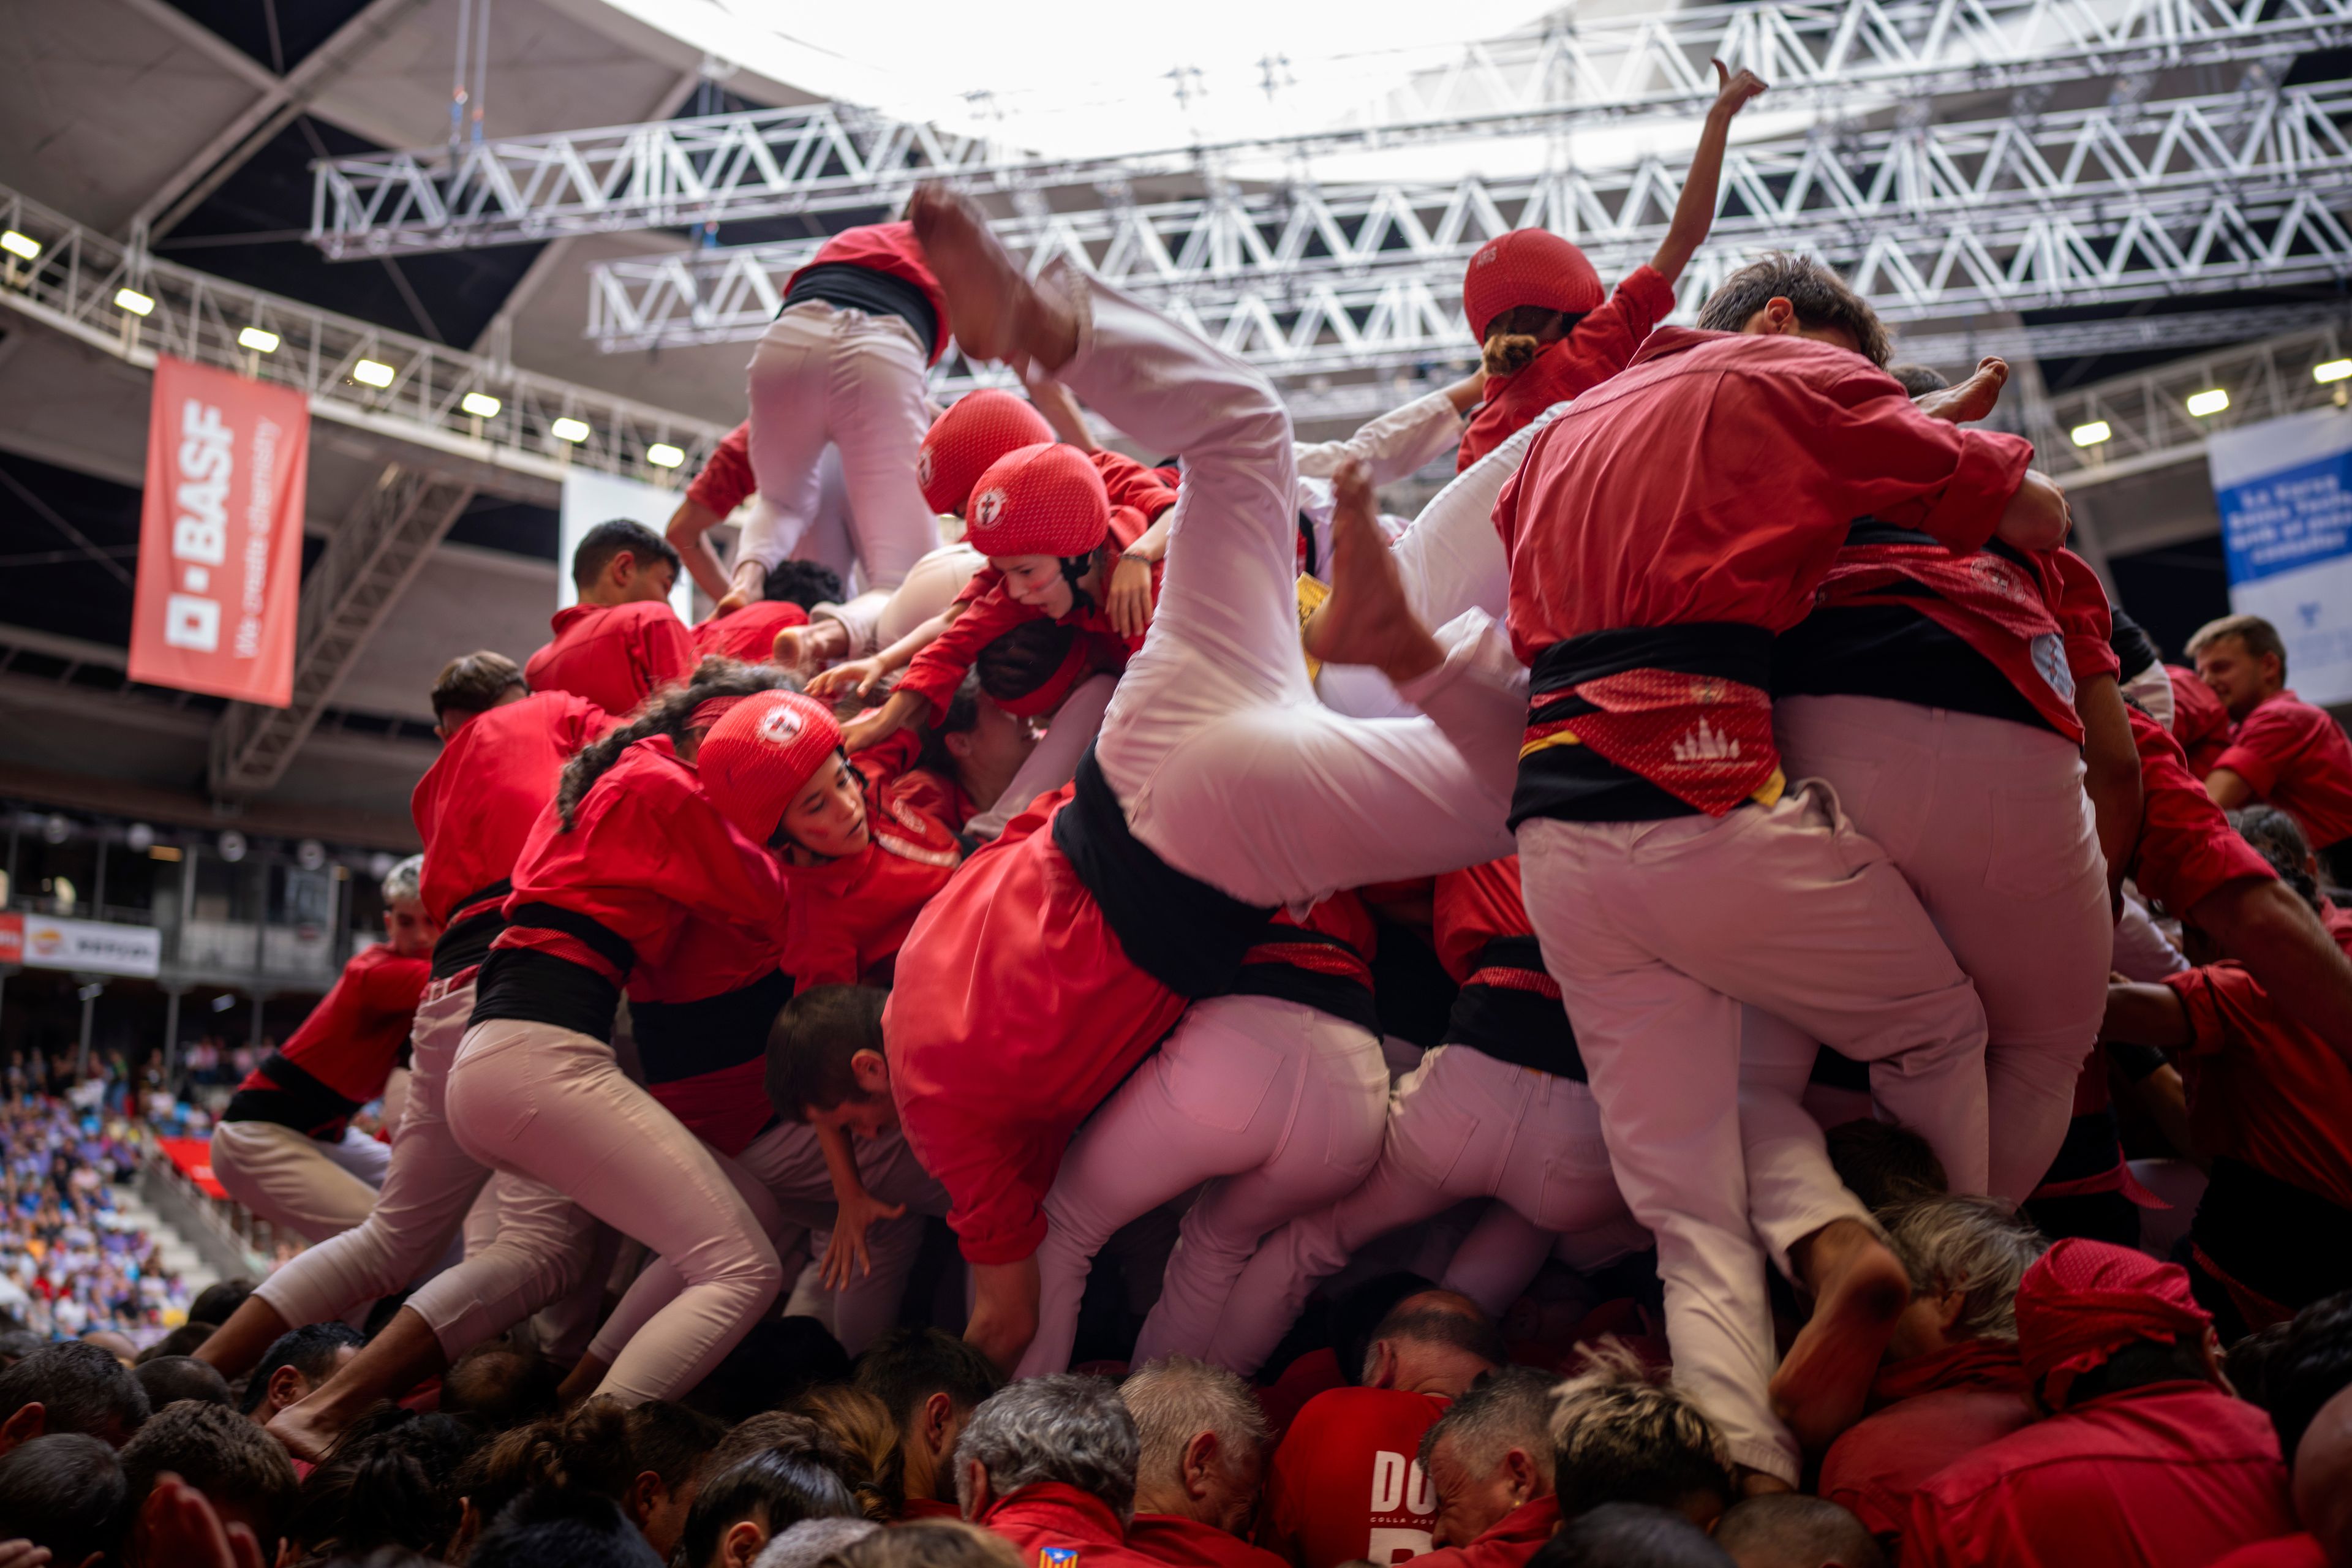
column 590, row 498
column 220, row 535
column 2285, row 487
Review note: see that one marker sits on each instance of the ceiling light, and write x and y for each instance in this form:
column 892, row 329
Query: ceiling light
column 2332, row 370
column 132, row 301
column 259, row 340
column 2212, row 400
column 372, row 372
column 568, row 429
column 2091, row 434
column 662, row 455
column 480, row 405
column 23, row 244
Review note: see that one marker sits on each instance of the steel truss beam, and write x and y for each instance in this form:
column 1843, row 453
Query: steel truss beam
column 367, row 564
column 73, row 285
column 2116, row 203
column 1572, row 71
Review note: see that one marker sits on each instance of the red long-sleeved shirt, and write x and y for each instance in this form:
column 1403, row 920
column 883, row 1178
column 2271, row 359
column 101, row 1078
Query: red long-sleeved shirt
column 1183, row 1542
column 748, row 634
column 1786, row 442
column 1045, row 1515
column 475, row 805
column 1935, row 1409
column 2168, row 1476
column 2263, row 1088
column 1345, row 1482
column 1598, row 347
column 2294, row 757
column 348, row 1044
column 726, row 477
column 2186, row 848
column 613, row 655
column 2200, row 722
column 1508, row 1542
column 850, row 916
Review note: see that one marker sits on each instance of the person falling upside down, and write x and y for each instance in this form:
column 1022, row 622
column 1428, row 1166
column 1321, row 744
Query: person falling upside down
column 1219, row 789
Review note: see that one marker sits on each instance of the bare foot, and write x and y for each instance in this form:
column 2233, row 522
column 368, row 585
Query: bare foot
column 994, row 310
column 819, row 642
column 1367, row 619
column 1972, row 399
column 1859, row 1290
column 307, row 1427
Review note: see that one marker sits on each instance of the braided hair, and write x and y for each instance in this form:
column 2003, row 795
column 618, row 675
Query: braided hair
column 667, row 712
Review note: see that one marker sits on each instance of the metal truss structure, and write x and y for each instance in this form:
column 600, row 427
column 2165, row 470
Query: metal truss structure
column 1569, row 72
column 2116, row 203
column 369, row 563
column 133, row 305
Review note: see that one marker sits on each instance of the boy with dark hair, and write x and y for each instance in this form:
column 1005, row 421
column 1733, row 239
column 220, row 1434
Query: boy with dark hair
column 471, row 685
column 241, row 1470
column 172, row 1378
column 621, row 639
column 300, row 1361
column 562, row 1528
column 65, row 1493
column 2282, row 748
column 825, row 1064
column 70, row 1387
column 930, row 1382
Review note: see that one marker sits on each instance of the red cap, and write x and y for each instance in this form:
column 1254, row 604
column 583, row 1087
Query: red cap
column 1527, row 266
column 759, row 752
column 981, row 427
column 1043, row 500
column 2082, row 1301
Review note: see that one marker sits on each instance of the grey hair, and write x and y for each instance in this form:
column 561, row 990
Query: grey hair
column 1620, row 1431
column 811, row 1541
column 404, row 881
column 1066, row 1429
column 1507, row 1409
column 1175, row 1399
column 1971, row 1244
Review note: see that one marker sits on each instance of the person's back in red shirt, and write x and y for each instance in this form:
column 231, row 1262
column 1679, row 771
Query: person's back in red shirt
column 612, row 655
column 1184, row 1543
column 1346, row 1484
column 2296, row 757
column 1937, row 1409
column 1050, row 1516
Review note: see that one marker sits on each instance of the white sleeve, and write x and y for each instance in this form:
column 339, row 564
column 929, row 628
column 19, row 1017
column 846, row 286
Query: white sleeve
column 1395, row 444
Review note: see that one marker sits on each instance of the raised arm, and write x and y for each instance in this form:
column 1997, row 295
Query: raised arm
column 1695, row 212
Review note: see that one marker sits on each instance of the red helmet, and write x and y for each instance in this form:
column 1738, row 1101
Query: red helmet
column 760, row 754
column 1527, row 266
column 1043, row 500
column 961, row 443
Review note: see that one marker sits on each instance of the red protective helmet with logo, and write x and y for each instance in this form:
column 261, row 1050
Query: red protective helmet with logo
column 760, row 754
column 1043, row 500
column 978, row 429
column 1527, row 266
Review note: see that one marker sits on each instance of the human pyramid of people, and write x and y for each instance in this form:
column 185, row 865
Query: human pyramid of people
column 1795, row 822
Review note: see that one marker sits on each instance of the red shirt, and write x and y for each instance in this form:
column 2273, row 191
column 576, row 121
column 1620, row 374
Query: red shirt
column 1937, row 1408
column 1596, row 347
column 2294, row 757
column 2186, row 848
column 2168, row 1476
column 1048, row 1514
column 353, row 1038
column 1187, row 1544
column 748, row 634
column 726, row 477
column 2299, row 1551
column 1014, row 1012
column 1470, row 906
column 1345, row 1483
column 613, row 655
column 1789, row 441
column 849, row 917
column 1508, row 1542
column 2200, row 722
column 2263, row 1088
column 888, row 247
column 475, row 805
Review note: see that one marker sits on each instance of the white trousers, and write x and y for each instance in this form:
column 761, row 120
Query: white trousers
column 536, row 1252
column 542, row 1101
column 1463, row 1125
column 1278, row 1107
column 826, row 375
column 1988, row 821
column 1657, row 931
column 875, row 620
column 296, row 1181
column 1228, row 767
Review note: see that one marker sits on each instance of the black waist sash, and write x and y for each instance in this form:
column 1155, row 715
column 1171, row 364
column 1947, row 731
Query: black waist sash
column 294, row 1099
column 1176, row 929
column 1524, row 1029
column 870, row 289
column 1343, row 996
column 465, row 942
column 685, row 1039
column 538, row 987
column 2272, row 1237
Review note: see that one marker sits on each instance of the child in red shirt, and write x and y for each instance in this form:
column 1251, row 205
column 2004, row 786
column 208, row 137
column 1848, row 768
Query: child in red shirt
column 621, row 639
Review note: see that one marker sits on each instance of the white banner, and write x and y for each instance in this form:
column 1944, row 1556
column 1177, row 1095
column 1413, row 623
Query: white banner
column 590, row 498
column 51, row 942
column 2284, row 490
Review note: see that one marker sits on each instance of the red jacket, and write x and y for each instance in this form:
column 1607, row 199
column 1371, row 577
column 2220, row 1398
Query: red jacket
column 2186, row 848
column 1048, row 1515
column 475, row 805
column 2200, row 722
column 1789, row 440
column 338, row 1061
column 748, row 634
column 2261, row 1087
column 2294, row 757
column 888, row 247
column 1345, row 1482
column 613, row 655
column 1933, row 1410
column 850, row 916
column 1508, row 1542
column 1598, row 347
column 1014, row 1012
column 2168, row 1476
column 1187, row 1544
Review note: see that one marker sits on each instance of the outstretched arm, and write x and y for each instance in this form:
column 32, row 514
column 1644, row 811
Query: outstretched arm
column 1694, row 213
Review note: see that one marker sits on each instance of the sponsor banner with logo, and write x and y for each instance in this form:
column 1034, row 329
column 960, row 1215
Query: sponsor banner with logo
column 92, row 947
column 2284, row 490
column 220, row 535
